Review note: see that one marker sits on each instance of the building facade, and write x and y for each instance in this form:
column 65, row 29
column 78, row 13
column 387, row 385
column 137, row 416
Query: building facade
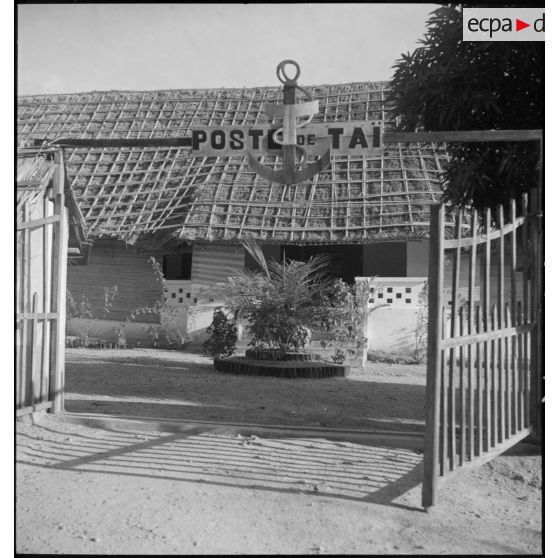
column 369, row 213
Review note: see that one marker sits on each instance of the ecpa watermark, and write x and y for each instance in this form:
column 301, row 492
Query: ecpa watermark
column 503, row 24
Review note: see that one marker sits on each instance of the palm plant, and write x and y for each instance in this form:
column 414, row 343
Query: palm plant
column 281, row 302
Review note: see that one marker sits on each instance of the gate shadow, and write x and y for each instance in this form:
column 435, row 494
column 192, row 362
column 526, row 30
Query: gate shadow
column 348, row 471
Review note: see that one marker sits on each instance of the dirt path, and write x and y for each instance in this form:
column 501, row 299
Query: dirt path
column 84, row 490
column 169, row 384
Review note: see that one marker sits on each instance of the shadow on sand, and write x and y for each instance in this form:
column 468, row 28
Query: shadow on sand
column 313, row 467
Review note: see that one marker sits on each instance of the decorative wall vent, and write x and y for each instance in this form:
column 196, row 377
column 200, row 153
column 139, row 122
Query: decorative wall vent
column 396, row 292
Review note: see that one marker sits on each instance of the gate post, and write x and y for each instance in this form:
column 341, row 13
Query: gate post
column 59, row 269
column 434, row 360
column 537, row 372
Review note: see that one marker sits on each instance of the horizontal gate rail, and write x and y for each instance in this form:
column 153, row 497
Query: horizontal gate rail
column 37, row 315
column 36, row 223
column 485, row 336
column 481, row 239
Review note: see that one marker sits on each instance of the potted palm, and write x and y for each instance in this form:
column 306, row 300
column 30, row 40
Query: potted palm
column 279, row 303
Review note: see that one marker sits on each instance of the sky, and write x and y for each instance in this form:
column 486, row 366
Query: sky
column 67, row 48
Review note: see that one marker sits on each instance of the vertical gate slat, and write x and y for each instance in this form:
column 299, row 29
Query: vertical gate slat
column 25, row 257
column 34, row 381
column 513, row 317
column 444, row 398
column 28, row 332
column 514, row 378
column 520, row 367
column 20, row 322
column 492, row 381
column 47, row 231
column 452, row 353
column 496, row 378
column 507, row 373
column 485, row 377
column 463, row 391
column 433, row 379
column 527, row 380
column 471, row 300
column 479, row 381
column 471, row 398
column 500, row 306
column 444, row 415
column 489, row 348
column 526, row 304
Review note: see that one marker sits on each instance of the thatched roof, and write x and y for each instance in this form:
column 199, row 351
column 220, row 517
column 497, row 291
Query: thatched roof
column 34, row 175
column 129, row 192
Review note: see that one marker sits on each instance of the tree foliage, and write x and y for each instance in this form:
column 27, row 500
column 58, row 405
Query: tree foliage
column 449, row 84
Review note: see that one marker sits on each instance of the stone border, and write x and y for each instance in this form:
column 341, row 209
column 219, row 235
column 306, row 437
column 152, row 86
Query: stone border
column 272, row 355
column 280, row 369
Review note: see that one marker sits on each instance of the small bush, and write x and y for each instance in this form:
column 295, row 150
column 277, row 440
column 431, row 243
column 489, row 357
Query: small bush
column 339, row 356
column 387, row 358
column 83, row 311
column 223, row 336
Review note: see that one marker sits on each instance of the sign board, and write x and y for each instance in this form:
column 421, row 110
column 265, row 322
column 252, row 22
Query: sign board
column 293, row 139
column 343, row 138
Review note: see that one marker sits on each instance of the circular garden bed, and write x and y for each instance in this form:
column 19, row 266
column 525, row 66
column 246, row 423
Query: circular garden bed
column 289, row 368
column 276, row 355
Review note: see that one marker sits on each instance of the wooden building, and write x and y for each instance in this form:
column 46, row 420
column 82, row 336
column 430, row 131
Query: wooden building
column 50, row 231
column 369, row 212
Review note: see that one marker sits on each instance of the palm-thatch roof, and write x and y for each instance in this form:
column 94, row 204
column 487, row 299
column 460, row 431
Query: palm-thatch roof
column 34, row 175
column 131, row 192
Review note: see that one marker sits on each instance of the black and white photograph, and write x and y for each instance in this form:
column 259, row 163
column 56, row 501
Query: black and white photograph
column 279, row 279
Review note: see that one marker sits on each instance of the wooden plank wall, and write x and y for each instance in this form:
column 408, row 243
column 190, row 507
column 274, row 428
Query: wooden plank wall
column 213, row 263
column 112, row 262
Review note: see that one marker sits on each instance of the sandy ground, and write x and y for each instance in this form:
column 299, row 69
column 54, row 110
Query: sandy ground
column 169, row 384
column 91, row 490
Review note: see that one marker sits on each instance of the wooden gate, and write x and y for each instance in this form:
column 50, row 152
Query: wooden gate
column 484, row 354
column 42, row 244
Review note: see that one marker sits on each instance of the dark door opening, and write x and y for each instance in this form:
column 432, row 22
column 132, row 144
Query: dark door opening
column 345, row 259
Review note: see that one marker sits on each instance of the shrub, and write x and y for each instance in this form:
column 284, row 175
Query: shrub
column 339, row 356
column 120, row 336
column 154, row 334
column 83, row 311
column 223, row 336
column 281, row 302
column 388, row 358
column 343, row 310
column 421, row 330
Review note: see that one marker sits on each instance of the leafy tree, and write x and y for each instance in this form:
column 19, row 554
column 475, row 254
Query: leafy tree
column 449, row 84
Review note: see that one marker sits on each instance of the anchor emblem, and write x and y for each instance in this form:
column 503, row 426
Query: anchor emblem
column 290, row 111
